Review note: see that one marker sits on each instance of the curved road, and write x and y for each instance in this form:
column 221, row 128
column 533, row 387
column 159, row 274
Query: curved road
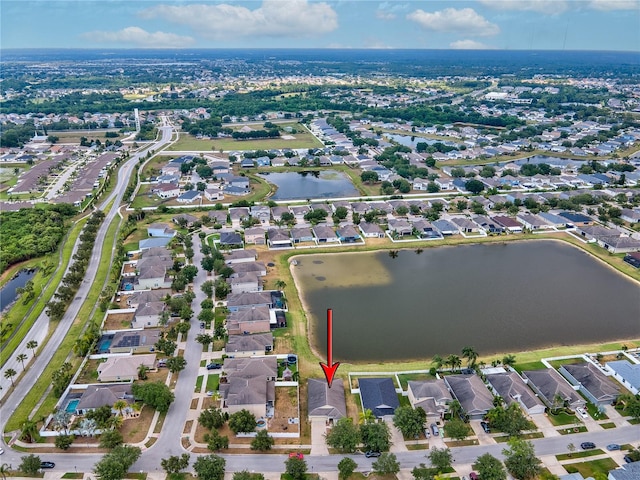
column 41, row 326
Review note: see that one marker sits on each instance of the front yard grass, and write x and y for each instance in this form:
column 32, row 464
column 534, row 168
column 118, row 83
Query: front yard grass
column 562, row 418
column 582, row 454
column 590, row 469
column 568, row 431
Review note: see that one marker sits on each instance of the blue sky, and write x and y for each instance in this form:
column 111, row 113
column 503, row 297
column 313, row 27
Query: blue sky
column 500, row 24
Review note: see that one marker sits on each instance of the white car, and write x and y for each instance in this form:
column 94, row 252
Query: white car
column 583, row 413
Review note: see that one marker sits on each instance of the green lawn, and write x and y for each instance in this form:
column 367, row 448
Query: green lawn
column 537, row 365
column 212, row 383
column 589, row 469
column 405, row 378
column 608, row 425
column 595, row 413
column 568, row 431
column 562, row 418
column 566, row 361
column 582, row 454
column 302, row 139
column 198, row 386
column 144, row 198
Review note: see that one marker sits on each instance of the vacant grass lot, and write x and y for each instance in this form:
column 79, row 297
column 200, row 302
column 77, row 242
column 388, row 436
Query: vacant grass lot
column 302, row 139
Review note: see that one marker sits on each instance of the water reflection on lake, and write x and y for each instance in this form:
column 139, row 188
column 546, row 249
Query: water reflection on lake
column 494, row 297
column 311, row 184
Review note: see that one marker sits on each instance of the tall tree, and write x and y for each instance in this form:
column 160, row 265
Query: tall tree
column 376, row 436
column 10, row 373
column 521, row 460
column 296, row 467
column 471, row 355
column 366, row 416
column 344, row 436
column 21, row 358
column 387, row 464
column 32, row 345
column 174, row 463
column 346, row 467
column 210, row 467
column 490, row 468
column 30, row 465
column 409, row 421
column 262, row 441
column 440, row 458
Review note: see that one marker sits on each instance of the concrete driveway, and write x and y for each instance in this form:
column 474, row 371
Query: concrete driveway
column 318, row 443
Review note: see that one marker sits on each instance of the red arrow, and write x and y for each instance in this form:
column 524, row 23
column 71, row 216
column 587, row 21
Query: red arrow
column 329, row 368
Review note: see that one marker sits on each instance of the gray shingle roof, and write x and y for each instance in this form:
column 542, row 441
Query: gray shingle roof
column 510, row 386
column 325, row 401
column 596, row 382
column 379, row 395
column 471, row 392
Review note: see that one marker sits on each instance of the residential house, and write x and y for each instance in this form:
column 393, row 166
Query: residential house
column 238, row 215
column 278, row 238
column 148, row 314
column 249, row 345
column 400, row 226
column 301, row 234
column 426, row 230
column 213, row 194
column 432, row 396
column 249, row 320
column 326, row 403
column 508, row 223
column 119, row 369
column 152, row 277
column 277, row 212
column 240, row 256
column 577, row 219
column 324, row 234
column 218, row 216
column 299, row 211
column 631, row 216
column 512, row 388
column 472, row 393
column 96, row 396
column 628, row 374
column 552, row 389
column 630, row 471
column 465, row 225
column 378, row 395
column 348, row 234
column 138, row 298
column 591, row 382
column 371, row 230
column 166, row 190
column 254, row 236
column 190, row 196
column 134, row 341
column 245, row 282
column 231, row 240
column 160, row 230
column 185, row 219
column 249, row 383
column 445, row 227
column 262, row 213
column 554, row 220
column 239, row 301
column 533, row 222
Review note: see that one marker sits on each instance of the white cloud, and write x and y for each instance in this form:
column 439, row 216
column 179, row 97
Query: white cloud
column 468, row 45
column 465, row 20
column 550, row 7
column 140, row 38
column 289, row 18
column 615, row 4
column 384, row 15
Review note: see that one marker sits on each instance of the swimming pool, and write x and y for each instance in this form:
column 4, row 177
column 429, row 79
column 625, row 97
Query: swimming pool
column 71, row 406
column 105, row 343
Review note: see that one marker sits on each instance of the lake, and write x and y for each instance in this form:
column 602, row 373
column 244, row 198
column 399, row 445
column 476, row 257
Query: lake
column 502, row 297
column 8, row 292
column 311, row 184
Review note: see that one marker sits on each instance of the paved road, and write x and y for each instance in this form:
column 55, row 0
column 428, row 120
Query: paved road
column 41, row 326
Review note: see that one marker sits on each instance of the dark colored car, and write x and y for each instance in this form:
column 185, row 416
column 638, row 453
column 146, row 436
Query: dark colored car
column 628, row 459
column 587, row 445
column 371, row 454
column 214, row 366
column 47, row 465
column 485, row 427
column 613, row 446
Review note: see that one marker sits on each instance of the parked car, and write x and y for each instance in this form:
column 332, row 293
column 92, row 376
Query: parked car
column 214, row 366
column 613, row 446
column 202, row 325
column 583, row 413
column 371, row 454
column 1, row 451
column 628, row 459
column 485, row 427
column 296, row 455
column 434, row 429
column 47, row 465
column 587, row 445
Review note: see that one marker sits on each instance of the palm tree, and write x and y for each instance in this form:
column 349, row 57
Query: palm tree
column 4, row 469
column 32, row 345
column 366, row 416
column 21, row 358
column 88, row 427
column 10, row 373
column 437, row 361
column 393, row 253
column 115, row 422
column 509, row 360
column 120, row 405
column 471, row 355
column 61, row 419
column 280, row 284
column 454, row 361
column 142, row 372
column 29, row 431
column 455, row 408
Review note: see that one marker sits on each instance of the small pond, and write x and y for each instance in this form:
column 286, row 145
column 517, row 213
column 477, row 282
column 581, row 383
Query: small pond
column 311, row 184
column 8, row 293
